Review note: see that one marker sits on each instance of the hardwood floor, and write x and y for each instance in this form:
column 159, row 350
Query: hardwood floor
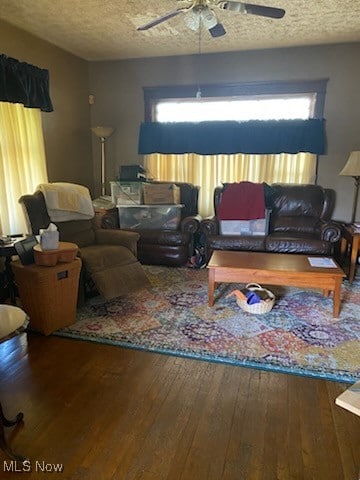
column 109, row 413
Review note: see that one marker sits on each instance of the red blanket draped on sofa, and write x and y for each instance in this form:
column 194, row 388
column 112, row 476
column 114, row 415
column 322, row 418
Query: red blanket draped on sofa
column 242, row 201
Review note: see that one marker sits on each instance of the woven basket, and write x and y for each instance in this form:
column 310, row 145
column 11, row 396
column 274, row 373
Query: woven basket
column 257, row 308
column 66, row 253
column 48, row 294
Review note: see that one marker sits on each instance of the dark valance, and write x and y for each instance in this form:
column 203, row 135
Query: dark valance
column 23, row 83
column 252, row 137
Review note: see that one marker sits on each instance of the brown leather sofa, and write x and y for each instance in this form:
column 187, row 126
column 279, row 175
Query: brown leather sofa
column 300, row 222
column 167, row 247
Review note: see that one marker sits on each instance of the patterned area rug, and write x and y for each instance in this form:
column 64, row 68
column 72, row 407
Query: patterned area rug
column 299, row 335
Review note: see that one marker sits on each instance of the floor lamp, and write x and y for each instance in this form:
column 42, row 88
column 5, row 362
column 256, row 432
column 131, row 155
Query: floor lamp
column 103, row 133
column 352, row 169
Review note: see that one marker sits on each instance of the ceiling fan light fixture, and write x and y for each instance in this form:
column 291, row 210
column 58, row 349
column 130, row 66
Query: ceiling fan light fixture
column 192, row 19
column 203, row 11
column 208, row 18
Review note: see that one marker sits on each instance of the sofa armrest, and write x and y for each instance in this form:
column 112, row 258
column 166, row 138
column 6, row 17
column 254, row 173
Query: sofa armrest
column 190, row 224
column 125, row 238
column 331, row 231
column 209, row 226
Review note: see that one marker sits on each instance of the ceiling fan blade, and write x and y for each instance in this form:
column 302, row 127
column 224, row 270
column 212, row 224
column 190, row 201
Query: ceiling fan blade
column 162, row 19
column 250, row 8
column 217, row 31
column 263, row 11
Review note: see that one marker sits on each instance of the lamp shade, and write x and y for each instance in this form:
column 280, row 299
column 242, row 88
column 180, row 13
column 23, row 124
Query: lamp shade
column 352, row 166
column 103, row 132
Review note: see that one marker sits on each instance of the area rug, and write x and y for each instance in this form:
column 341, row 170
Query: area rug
column 299, row 335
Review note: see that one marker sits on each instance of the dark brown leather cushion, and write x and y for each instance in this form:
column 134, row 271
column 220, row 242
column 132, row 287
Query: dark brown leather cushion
column 80, row 232
column 298, row 200
column 296, row 224
column 299, row 244
column 236, row 242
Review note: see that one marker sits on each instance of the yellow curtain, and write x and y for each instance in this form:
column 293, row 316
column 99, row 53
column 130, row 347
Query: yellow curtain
column 210, row 171
column 22, row 162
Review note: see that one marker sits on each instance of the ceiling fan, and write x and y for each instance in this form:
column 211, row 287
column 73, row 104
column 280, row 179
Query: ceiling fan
column 201, row 12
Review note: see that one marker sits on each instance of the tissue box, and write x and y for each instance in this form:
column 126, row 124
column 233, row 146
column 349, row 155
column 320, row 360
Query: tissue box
column 49, row 239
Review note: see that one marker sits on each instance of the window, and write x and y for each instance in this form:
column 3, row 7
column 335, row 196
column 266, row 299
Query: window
column 24, row 94
column 22, row 162
column 236, row 102
column 262, row 107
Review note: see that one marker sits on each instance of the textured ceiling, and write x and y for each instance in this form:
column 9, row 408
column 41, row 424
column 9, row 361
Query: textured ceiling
column 106, row 29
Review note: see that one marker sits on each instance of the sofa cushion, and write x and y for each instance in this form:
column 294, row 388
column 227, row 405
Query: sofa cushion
column 297, row 244
column 298, row 200
column 296, row 224
column 80, row 232
column 236, row 242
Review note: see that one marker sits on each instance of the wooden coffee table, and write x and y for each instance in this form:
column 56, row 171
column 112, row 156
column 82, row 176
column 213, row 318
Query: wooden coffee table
column 274, row 269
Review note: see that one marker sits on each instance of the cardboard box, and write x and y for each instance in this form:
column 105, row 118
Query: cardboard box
column 259, row 226
column 161, row 194
column 127, row 193
column 149, row 217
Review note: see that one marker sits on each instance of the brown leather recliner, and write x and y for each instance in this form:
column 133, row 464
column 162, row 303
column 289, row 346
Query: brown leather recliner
column 167, row 247
column 109, row 257
column 300, row 222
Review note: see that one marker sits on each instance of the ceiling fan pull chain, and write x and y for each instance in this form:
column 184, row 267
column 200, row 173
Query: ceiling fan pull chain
column 198, row 93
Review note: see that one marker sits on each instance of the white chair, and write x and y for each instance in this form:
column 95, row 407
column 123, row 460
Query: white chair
column 11, row 320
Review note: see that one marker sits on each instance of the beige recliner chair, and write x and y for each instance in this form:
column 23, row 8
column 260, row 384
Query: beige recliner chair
column 109, row 256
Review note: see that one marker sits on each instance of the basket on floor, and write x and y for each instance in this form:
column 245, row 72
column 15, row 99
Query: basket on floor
column 264, row 306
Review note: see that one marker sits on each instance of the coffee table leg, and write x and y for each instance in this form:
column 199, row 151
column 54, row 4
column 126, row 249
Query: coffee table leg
column 211, row 286
column 336, row 297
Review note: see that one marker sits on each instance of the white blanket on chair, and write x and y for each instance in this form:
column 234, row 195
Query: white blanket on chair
column 67, row 201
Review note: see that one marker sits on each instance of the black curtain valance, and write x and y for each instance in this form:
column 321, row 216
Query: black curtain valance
column 23, row 83
column 252, row 137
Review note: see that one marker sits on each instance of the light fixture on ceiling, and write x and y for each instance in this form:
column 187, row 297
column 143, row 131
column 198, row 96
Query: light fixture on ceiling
column 195, row 16
column 208, row 18
column 103, row 133
column 192, row 19
column 352, row 169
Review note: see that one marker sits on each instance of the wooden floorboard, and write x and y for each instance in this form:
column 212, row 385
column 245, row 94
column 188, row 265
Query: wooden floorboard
column 108, row 413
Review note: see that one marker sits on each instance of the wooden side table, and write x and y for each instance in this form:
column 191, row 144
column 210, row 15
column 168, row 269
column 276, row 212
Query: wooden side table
column 351, row 239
